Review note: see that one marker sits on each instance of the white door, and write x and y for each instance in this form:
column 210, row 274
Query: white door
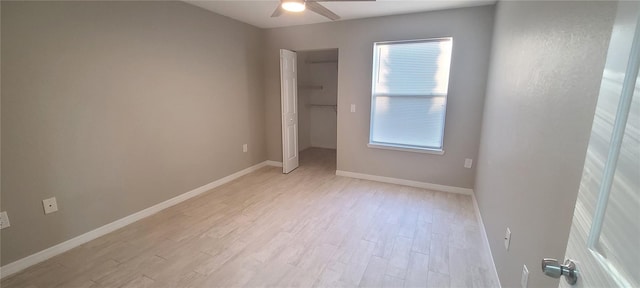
column 604, row 241
column 289, row 100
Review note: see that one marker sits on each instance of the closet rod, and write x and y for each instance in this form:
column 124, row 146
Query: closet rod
column 335, row 107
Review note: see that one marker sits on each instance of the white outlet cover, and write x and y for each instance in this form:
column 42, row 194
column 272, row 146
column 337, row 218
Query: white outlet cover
column 353, row 108
column 507, row 239
column 50, row 205
column 4, row 220
column 524, row 281
column 244, row 148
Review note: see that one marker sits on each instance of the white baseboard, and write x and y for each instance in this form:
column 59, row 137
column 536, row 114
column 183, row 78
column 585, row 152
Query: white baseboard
column 404, row 182
column 485, row 239
column 45, row 254
column 273, row 163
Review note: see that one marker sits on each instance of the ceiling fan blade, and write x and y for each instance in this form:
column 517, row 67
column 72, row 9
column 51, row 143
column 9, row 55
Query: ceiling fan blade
column 278, row 11
column 316, row 7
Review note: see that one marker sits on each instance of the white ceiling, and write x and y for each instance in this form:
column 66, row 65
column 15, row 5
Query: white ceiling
column 258, row 13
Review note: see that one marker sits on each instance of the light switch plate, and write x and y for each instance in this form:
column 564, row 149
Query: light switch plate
column 524, row 281
column 244, row 148
column 468, row 162
column 353, row 108
column 4, row 220
column 50, row 205
column 507, row 239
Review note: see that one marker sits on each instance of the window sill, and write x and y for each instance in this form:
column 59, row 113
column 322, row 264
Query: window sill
column 407, row 149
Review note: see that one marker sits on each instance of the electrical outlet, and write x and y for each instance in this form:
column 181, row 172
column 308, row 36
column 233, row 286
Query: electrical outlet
column 507, row 239
column 525, row 277
column 468, row 162
column 50, row 205
column 245, row 148
column 353, row 108
column 4, row 220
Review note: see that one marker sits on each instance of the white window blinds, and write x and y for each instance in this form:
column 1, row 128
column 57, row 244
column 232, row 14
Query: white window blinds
column 410, row 84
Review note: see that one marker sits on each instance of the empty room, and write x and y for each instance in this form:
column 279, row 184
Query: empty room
column 319, row 143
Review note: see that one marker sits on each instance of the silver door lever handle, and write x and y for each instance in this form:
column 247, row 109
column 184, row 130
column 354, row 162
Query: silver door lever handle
column 552, row 268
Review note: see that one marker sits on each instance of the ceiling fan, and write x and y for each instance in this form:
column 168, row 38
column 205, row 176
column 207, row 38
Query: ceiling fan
column 313, row 5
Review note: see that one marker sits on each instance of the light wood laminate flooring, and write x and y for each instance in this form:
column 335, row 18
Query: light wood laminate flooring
column 308, row 228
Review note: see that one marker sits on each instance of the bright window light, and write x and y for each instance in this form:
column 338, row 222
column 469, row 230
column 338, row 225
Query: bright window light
column 409, row 94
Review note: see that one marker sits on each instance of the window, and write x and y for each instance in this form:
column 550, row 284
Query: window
column 409, row 94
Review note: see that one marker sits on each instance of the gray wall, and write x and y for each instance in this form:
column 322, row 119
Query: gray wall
column 471, row 29
column 113, row 107
column 304, row 115
column 546, row 68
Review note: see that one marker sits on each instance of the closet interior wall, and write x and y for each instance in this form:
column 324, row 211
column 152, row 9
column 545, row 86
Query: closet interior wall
column 317, row 98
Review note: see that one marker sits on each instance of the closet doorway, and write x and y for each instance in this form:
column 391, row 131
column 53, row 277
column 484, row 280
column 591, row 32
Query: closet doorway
column 317, row 107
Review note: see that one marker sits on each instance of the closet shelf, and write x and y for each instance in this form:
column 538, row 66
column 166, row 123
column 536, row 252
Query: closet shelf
column 323, row 105
column 311, row 87
column 321, row 61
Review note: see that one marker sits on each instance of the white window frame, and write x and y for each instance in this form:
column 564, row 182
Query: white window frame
column 399, row 147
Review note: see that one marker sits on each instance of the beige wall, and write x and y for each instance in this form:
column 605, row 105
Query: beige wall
column 546, row 67
column 471, row 29
column 113, row 107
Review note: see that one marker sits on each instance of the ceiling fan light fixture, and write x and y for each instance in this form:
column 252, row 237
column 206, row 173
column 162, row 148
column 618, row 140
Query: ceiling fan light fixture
column 293, row 6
